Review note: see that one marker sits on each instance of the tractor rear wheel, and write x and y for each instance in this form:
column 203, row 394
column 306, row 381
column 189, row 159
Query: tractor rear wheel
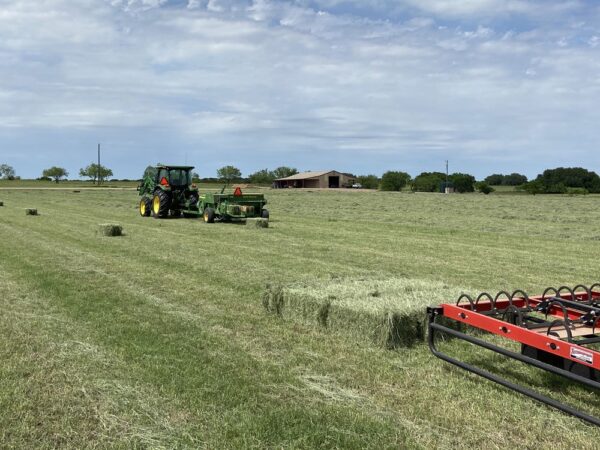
column 209, row 215
column 160, row 204
column 264, row 214
column 145, row 207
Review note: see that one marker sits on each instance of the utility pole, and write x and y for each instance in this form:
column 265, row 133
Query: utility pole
column 98, row 168
column 446, row 186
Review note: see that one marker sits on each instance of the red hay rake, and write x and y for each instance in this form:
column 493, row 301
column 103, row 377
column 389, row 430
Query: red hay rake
column 554, row 330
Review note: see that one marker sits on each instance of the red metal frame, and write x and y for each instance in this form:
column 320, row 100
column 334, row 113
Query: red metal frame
column 471, row 314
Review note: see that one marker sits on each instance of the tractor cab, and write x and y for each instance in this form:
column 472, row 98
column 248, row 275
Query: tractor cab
column 175, row 177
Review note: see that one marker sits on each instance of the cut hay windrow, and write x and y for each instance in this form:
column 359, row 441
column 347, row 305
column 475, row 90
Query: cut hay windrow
column 387, row 312
column 110, row 229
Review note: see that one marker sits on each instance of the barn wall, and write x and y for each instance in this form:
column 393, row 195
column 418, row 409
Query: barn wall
column 312, row 183
column 318, row 182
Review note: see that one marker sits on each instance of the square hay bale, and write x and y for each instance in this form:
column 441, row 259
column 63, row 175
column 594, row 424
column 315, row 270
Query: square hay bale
column 31, row 212
column 110, row 229
column 388, row 312
column 258, row 222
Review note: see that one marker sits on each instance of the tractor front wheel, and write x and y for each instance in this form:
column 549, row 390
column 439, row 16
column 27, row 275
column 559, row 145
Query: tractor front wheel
column 160, row 204
column 145, row 207
column 209, row 215
column 264, row 214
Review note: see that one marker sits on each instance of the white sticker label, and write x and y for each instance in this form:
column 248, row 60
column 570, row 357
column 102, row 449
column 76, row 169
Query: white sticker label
column 582, row 355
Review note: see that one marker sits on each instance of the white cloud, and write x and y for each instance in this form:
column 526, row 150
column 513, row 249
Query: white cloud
column 304, row 76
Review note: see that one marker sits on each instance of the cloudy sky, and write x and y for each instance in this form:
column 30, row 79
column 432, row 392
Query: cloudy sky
column 362, row 86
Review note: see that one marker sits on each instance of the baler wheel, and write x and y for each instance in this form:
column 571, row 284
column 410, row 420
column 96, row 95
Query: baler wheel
column 145, row 207
column 160, row 204
column 209, row 215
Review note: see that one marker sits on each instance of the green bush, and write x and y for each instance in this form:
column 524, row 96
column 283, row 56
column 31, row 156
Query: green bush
column 577, row 191
column 463, row 182
column 533, row 187
column 394, row 181
column 484, row 188
column 428, row 182
column 368, row 181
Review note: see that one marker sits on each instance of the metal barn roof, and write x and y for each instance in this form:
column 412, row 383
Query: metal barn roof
column 305, row 175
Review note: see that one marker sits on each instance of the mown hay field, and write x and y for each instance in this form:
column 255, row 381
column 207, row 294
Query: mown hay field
column 158, row 338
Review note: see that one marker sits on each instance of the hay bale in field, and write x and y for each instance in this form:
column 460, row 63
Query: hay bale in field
column 110, row 229
column 258, row 222
column 31, row 212
column 387, row 312
column 1, row 203
column 272, row 299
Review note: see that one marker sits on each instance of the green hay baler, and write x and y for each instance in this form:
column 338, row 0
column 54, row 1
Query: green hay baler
column 232, row 207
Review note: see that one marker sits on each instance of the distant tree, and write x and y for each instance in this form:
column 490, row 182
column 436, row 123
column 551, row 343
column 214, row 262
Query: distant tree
column 56, row 173
column 264, row 176
column 514, row 179
column 368, row 181
column 557, row 180
column 96, row 173
column 463, row 182
column 495, row 179
column 283, row 172
column 484, row 188
column 394, row 181
column 428, row 182
column 195, row 177
column 7, row 172
column 229, row 173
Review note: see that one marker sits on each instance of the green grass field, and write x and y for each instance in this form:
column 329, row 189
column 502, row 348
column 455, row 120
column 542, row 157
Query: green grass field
column 158, row 339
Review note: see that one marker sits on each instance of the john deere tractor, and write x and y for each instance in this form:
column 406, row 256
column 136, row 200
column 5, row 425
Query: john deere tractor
column 168, row 191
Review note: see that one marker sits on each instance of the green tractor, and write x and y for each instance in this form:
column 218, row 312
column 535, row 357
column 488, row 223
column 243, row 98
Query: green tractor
column 232, row 207
column 168, row 191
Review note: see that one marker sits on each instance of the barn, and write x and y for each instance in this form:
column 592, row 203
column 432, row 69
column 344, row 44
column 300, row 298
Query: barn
column 324, row 180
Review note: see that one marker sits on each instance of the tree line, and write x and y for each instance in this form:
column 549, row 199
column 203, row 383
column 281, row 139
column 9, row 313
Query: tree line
column 552, row 181
column 95, row 172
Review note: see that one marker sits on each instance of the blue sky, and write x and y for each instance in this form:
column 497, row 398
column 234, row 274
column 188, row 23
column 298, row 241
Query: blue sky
column 357, row 86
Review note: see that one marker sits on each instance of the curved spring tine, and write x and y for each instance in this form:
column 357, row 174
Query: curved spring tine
column 567, row 288
column 515, row 313
column 506, row 294
column 560, row 322
column 548, row 290
column 523, row 295
column 468, row 297
column 587, row 291
column 595, row 285
column 489, row 297
column 562, row 307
